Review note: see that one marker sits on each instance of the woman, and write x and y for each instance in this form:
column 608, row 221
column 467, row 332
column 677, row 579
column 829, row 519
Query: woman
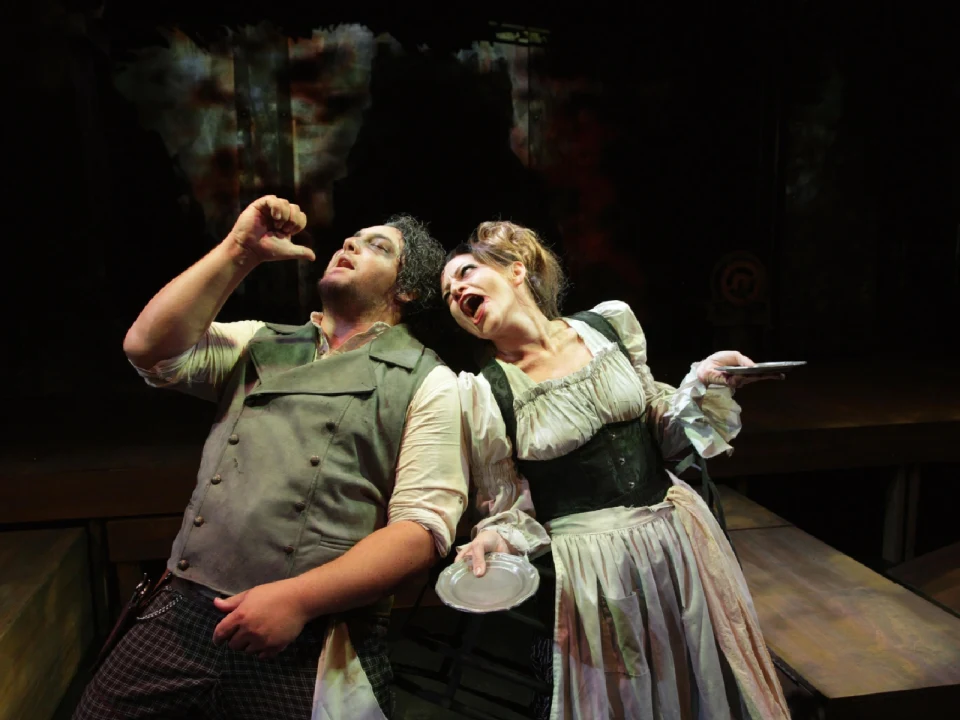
column 652, row 617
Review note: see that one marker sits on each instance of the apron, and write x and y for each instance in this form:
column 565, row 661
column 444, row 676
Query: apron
column 344, row 688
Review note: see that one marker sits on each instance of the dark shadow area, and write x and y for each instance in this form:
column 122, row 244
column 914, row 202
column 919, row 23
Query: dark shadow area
column 435, row 144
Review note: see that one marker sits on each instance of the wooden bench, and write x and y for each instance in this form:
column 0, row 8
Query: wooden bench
column 863, row 645
column 46, row 618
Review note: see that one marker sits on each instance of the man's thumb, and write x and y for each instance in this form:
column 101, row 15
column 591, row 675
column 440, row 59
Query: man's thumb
column 229, row 604
column 305, row 253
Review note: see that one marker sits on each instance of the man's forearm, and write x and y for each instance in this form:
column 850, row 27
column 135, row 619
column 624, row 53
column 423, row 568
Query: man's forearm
column 368, row 571
column 178, row 316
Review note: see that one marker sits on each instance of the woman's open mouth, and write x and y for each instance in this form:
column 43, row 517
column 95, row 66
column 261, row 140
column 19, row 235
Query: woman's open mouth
column 472, row 307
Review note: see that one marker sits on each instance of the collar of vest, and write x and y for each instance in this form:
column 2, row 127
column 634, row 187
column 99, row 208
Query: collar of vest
column 397, row 347
column 285, row 353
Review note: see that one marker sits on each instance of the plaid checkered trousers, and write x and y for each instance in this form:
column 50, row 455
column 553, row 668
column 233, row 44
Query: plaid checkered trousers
column 167, row 666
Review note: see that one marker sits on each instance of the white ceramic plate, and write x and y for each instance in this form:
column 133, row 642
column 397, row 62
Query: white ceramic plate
column 768, row 368
column 509, row 580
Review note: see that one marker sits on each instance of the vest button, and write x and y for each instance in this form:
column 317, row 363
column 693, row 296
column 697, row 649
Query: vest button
column 216, row 479
column 315, row 460
column 233, row 439
column 289, row 549
column 331, row 425
column 198, row 521
column 183, row 565
column 300, row 506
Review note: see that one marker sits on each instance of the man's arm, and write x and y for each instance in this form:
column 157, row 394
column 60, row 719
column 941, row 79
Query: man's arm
column 368, row 571
column 178, row 316
column 266, row 618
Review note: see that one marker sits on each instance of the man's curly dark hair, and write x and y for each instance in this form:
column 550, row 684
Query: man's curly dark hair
column 421, row 263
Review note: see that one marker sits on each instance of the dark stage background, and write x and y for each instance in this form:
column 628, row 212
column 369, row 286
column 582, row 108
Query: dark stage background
column 781, row 177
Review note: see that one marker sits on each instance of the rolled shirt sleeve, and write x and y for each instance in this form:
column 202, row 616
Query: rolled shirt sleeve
column 203, row 369
column 432, row 468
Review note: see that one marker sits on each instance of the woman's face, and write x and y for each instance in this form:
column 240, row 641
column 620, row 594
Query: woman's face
column 480, row 296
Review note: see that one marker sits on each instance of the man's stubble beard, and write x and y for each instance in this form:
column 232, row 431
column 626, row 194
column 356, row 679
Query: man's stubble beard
column 349, row 300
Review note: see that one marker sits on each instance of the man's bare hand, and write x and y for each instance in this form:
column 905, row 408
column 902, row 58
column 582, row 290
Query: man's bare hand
column 264, row 230
column 262, row 620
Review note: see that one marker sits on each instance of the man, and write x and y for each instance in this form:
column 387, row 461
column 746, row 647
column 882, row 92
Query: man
column 334, row 470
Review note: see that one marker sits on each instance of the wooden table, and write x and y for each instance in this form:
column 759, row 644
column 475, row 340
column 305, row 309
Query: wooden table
column 864, row 646
column 869, row 647
column 852, row 415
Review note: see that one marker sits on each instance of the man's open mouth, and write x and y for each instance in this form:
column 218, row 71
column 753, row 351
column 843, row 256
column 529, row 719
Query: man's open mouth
column 344, row 262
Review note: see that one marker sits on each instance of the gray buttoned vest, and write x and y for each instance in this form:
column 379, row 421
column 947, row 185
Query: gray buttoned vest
column 300, row 463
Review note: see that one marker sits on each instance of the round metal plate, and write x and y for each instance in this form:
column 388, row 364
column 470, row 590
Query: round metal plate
column 509, row 580
column 769, row 368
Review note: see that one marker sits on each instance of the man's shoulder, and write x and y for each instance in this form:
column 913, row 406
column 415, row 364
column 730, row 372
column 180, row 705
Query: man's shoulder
column 412, row 339
column 269, row 329
column 400, row 346
column 433, row 358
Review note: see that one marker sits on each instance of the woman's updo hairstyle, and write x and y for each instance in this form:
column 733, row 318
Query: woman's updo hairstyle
column 501, row 244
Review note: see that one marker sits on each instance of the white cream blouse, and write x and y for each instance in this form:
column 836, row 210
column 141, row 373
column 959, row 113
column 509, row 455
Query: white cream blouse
column 557, row 416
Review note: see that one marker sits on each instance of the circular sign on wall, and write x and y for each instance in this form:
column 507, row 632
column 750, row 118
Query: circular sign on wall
column 740, row 279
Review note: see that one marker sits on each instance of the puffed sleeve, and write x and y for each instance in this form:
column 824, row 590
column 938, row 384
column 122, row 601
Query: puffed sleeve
column 691, row 414
column 502, row 493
